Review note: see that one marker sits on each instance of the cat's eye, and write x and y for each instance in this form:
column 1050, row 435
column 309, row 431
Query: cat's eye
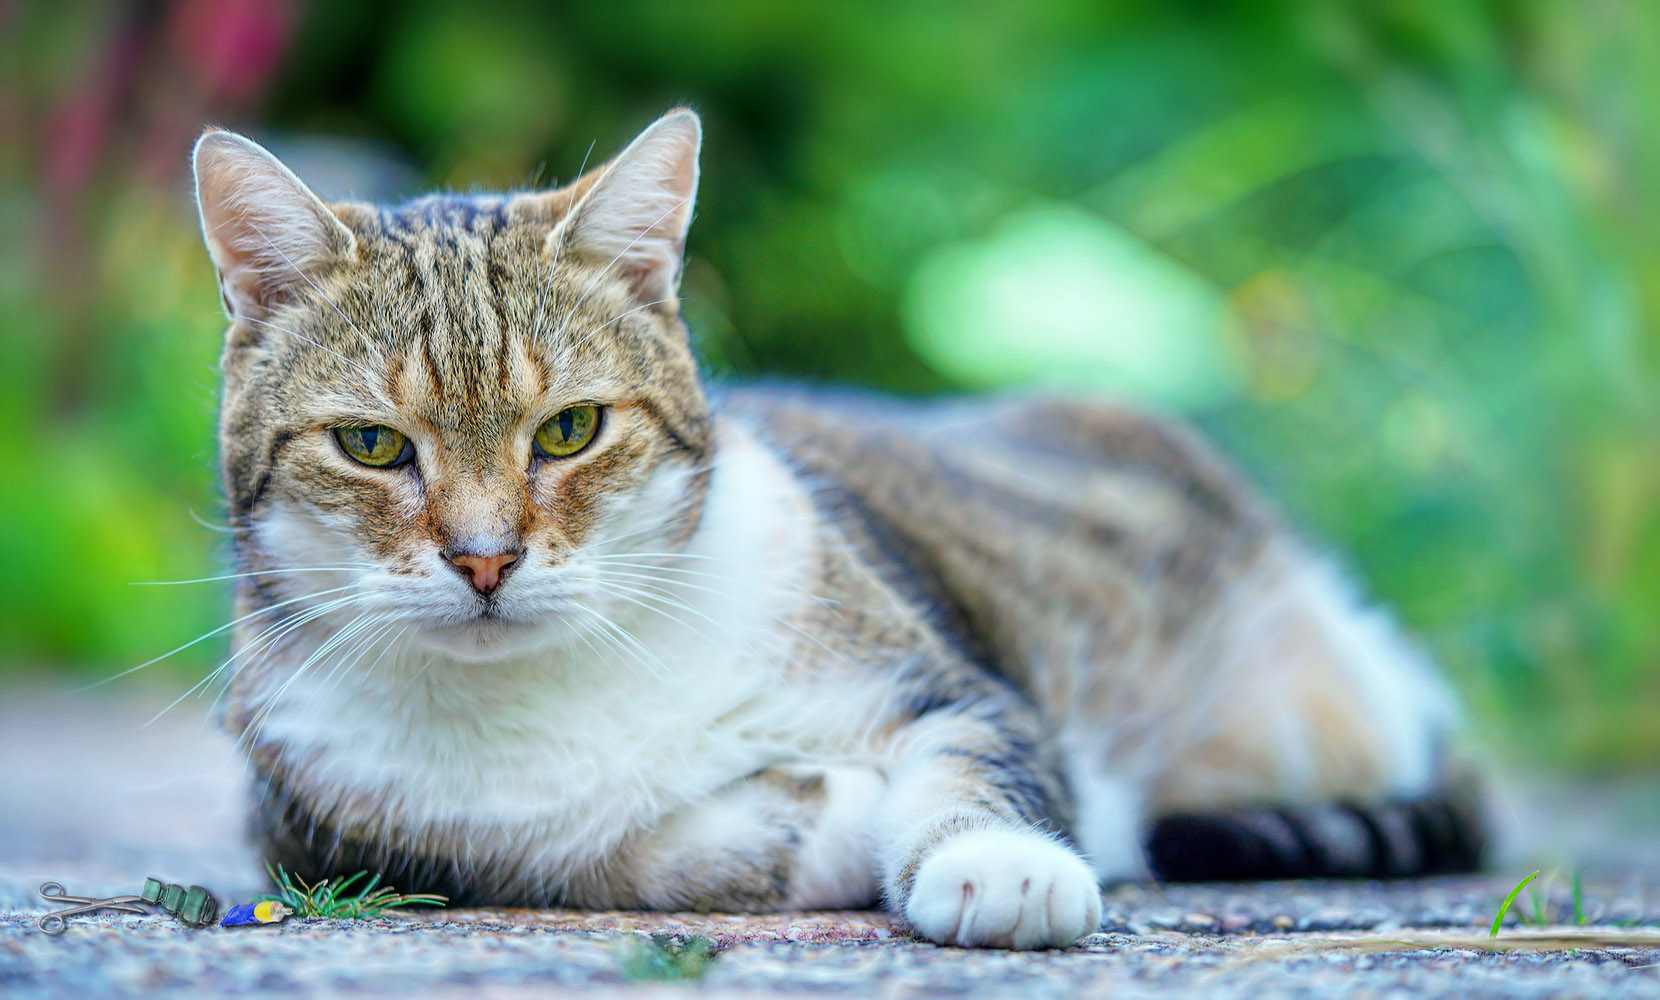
column 375, row 445
column 568, row 431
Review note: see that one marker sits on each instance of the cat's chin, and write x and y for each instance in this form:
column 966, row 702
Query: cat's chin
column 484, row 639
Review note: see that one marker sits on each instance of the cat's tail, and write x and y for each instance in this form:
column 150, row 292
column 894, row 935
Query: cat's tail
column 1440, row 832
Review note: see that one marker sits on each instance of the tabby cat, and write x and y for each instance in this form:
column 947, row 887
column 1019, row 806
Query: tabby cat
column 530, row 616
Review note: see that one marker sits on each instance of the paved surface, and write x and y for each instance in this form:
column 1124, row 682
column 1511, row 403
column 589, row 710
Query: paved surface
column 90, row 799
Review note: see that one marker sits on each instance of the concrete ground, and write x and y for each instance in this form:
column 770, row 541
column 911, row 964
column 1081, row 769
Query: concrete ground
column 91, row 799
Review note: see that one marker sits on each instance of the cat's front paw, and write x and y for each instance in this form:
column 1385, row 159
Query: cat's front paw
column 1003, row 889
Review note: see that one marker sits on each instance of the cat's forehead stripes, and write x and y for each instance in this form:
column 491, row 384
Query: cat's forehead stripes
column 484, row 324
column 451, row 279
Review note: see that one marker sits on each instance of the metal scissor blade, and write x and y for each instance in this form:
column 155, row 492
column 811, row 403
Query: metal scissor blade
column 55, row 923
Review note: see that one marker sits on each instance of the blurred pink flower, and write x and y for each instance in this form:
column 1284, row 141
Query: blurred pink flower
column 233, row 46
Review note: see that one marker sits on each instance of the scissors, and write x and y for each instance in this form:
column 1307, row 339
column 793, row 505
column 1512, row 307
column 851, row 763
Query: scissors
column 54, row 923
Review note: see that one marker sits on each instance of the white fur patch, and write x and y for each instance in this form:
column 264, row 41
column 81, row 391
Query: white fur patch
column 1004, row 889
column 558, row 751
column 1409, row 705
column 836, row 866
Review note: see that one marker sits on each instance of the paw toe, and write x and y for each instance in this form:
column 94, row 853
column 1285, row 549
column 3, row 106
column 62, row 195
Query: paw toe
column 1004, row 889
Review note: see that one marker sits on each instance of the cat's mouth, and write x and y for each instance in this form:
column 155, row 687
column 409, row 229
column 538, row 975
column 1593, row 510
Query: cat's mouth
column 485, row 636
column 482, row 629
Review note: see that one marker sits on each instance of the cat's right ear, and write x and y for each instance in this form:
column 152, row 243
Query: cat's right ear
column 631, row 216
column 268, row 234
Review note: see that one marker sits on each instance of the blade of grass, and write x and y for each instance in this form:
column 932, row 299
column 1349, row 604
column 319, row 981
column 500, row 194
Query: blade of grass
column 1579, row 901
column 1504, row 907
column 418, row 899
column 346, row 883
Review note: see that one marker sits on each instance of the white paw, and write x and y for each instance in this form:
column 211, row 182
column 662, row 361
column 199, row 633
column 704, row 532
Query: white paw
column 1004, row 889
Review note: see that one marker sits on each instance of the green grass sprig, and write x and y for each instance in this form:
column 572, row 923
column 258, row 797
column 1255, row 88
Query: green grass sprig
column 1539, row 910
column 1504, row 907
column 333, row 899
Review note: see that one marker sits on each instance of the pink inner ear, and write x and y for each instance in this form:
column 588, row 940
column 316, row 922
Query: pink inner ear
column 266, row 231
column 655, row 284
column 635, row 217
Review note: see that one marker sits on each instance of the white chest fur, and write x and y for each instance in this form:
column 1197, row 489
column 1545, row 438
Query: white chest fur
column 572, row 746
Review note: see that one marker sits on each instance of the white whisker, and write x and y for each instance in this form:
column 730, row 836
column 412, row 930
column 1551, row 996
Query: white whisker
column 313, row 343
column 239, row 576
column 547, row 282
column 621, row 636
column 297, row 618
column 266, row 642
column 654, row 593
column 256, row 724
column 667, row 555
column 618, row 318
column 658, row 583
column 652, row 571
column 571, row 314
column 227, row 529
column 207, row 635
column 370, row 669
column 374, row 631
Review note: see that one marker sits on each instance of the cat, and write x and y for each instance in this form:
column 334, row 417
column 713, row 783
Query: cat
column 529, row 615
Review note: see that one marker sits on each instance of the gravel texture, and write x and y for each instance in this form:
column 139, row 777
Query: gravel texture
column 91, row 799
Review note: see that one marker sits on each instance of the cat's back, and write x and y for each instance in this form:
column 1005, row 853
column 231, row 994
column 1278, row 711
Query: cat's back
column 1043, row 528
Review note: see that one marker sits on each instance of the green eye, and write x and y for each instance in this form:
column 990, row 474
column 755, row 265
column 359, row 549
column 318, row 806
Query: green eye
column 381, row 447
column 568, row 431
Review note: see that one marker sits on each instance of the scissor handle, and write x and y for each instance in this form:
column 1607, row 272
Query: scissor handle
column 53, row 923
column 53, row 890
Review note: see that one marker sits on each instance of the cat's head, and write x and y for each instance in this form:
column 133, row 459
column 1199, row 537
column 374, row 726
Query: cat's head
column 447, row 410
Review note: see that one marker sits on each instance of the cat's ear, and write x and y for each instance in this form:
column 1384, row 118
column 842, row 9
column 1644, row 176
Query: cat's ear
column 268, row 234
column 633, row 217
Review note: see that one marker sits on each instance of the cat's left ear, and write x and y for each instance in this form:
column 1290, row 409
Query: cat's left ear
column 270, row 237
column 634, row 216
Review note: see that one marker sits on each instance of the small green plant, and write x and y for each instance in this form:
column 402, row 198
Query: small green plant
column 666, row 957
column 330, row 898
column 1504, row 907
column 1538, row 911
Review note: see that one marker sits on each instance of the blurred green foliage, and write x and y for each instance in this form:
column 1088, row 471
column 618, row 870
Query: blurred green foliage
column 1396, row 256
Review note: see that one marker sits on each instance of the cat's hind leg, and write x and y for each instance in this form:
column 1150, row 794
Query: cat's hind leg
column 1320, row 746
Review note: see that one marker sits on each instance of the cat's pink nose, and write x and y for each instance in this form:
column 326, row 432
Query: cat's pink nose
column 484, row 572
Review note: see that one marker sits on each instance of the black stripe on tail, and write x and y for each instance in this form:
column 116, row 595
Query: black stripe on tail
column 1439, row 833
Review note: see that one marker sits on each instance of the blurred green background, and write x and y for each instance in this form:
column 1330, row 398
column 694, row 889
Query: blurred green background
column 1399, row 258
